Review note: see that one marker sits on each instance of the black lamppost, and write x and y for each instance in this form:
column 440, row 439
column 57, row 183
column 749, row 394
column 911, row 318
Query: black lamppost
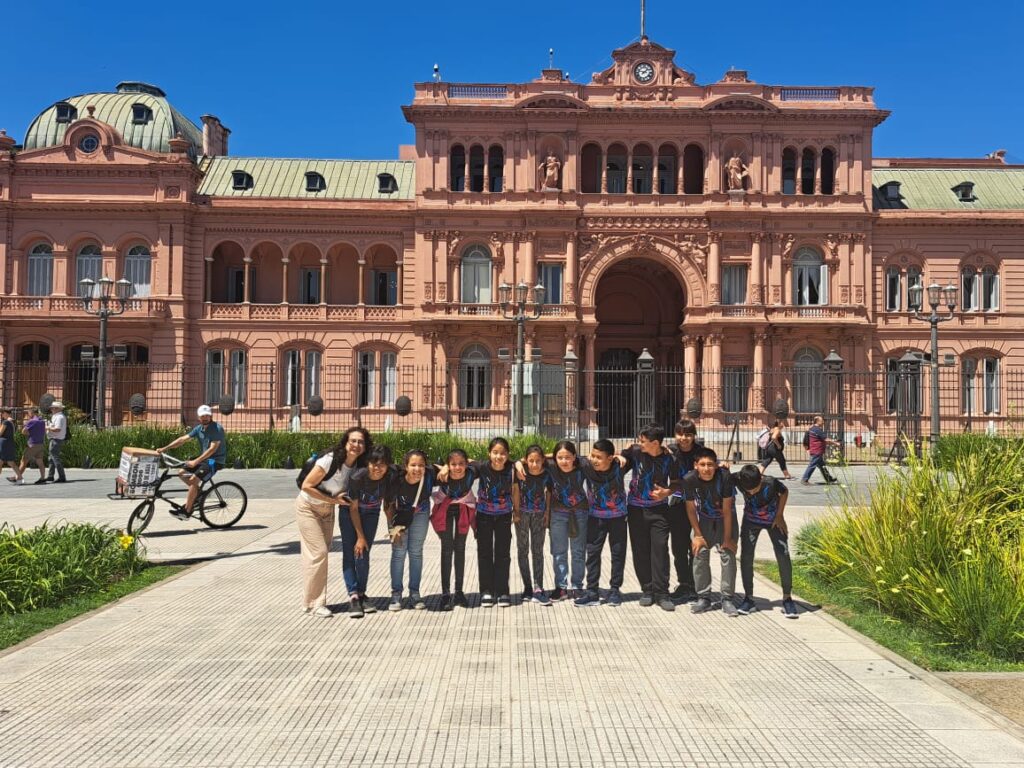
column 516, row 310
column 103, row 298
column 936, row 295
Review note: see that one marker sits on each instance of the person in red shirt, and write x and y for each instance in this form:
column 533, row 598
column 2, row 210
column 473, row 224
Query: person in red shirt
column 817, row 442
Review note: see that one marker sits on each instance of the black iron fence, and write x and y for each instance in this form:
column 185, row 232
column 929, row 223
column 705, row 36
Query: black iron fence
column 870, row 412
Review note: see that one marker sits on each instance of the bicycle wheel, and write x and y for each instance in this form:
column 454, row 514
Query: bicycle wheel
column 222, row 504
column 141, row 517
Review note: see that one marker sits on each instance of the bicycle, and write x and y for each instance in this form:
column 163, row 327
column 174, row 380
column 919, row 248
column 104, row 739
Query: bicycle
column 219, row 504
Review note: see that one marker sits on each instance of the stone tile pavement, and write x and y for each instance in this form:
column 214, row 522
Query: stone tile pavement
column 218, row 667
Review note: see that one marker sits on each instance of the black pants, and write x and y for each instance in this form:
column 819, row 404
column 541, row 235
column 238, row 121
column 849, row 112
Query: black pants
column 748, row 543
column 453, row 546
column 774, row 453
column 682, row 555
column 493, row 551
column 614, row 530
column 648, row 535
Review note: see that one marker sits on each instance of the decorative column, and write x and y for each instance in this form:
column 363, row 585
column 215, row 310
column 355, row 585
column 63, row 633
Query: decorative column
column 569, row 293
column 590, row 339
column 604, row 171
column 775, row 273
column 362, row 281
column 656, row 183
column 399, row 292
column 713, row 383
column 61, row 268
column 323, row 280
column 760, row 338
column 629, row 171
column 756, row 292
column 529, row 259
column 487, row 169
column 679, row 175
column 862, row 287
column 208, row 280
column 19, row 262
column 844, row 268
column 455, row 288
column 284, row 280
column 714, row 268
column 247, row 279
column 465, row 174
column 691, row 376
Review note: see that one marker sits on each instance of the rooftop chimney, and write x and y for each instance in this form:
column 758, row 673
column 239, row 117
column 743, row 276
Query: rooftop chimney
column 215, row 136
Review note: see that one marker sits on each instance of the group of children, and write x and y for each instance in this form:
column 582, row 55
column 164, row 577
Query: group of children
column 679, row 500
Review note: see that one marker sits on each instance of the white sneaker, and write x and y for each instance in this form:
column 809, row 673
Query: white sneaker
column 323, row 612
column 307, row 609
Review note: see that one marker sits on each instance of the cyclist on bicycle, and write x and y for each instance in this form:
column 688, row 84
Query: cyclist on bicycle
column 214, row 455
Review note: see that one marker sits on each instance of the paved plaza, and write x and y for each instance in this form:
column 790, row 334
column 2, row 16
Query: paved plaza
column 218, row 667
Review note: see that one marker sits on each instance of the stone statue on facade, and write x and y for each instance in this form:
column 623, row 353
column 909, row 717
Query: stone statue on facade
column 549, row 171
column 736, row 171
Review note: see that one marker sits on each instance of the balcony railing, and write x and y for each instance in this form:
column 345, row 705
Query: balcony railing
column 71, row 306
column 809, row 94
column 470, row 91
column 284, row 312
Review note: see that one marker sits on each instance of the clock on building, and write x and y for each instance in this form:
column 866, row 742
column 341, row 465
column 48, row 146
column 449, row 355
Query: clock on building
column 643, row 72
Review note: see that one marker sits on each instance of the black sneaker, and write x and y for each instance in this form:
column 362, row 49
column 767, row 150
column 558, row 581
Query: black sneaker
column 646, row 600
column 586, row 599
column 747, row 607
column 40, row 481
column 181, row 514
column 447, row 602
column 789, row 609
column 684, row 594
column 486, row 601
column 459, row 599
column 703, row 605
column 558, row 594
column 527, row 595
column 666, row 604
column 614, row 598
column 367, row 603
column 355, row 608
column 504, row 601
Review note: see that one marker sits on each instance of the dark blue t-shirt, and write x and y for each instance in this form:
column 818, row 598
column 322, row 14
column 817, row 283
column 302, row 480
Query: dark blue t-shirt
column 533, row 493
column 649, row 471
column 708, row 496
column 606, row 490
column 370, row 494
column 761, row 506
column 456, row 489
column 404, row 494
column 568, row 492
column 494, row 493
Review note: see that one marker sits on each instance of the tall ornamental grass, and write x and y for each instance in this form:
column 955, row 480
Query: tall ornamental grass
column 940, row 548
column 47, row 565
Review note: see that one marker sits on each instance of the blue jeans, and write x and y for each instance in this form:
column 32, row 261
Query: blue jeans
column 411, row 543
column 560, row 543
column 817, row 462
column 356, row 570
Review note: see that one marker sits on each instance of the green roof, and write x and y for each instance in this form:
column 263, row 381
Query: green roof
column 286, row 178
column 116, row 109
column 931, row 189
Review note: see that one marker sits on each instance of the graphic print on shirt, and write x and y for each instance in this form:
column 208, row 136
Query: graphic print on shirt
column 606, row 491
column 708, row 496
column 405, row 496
column 531, row 493
column 567, row 490
column 648, row 471
column 457, row 489
column 494, row 494
column 370, row 494
column 761, row 507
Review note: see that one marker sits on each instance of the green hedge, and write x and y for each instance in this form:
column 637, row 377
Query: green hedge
column 268, row 450
column 936, row 546
column 47, row 565
column 951, row 449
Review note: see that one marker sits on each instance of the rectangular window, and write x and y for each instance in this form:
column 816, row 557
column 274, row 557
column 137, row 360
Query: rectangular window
column 893, row 301
column 616, row 181
column 366, row 380
column 989, row 291
column 388, row 379
column 384, row 287
column 991, row 384
column 40, row 274
column 811, row 284
column 735, row 386
column 969, row 292
column 292, row 376
column 734, row 284
column 968, row 385
column 476, row 281
column 309, row 286
column 237, row 376
column 214, row 375
column 904, row 394
column 89, row 265
column 138, row 270
column 236, row 285
column 550, row 276
column 312, row 371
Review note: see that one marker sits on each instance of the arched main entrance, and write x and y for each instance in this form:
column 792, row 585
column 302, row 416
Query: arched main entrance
column 639, row 305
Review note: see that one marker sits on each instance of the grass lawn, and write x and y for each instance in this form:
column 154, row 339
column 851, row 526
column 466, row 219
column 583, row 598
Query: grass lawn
column 17, row 627
column 914, row 643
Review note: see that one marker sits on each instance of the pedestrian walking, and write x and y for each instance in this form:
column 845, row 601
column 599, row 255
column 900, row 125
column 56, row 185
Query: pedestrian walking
column 57, row 432
column 774, row 446
column 34, row 430
column 8, row 449
column 816, row 441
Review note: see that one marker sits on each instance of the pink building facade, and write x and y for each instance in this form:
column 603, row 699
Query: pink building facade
column 737, row 232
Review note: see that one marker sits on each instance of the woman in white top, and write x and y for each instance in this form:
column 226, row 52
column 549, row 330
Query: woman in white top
column 323, row 489
column 774, row 450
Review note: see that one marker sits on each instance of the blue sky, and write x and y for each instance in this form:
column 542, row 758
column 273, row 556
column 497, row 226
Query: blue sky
column 318, row 79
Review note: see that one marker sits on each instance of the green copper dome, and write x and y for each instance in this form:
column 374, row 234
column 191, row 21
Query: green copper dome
column 140, row 112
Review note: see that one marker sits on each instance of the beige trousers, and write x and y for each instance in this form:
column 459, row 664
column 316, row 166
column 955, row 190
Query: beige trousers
column 315, row 520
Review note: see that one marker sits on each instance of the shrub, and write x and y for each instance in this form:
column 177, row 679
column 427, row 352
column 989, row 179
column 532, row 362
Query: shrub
column 952, row 448
column 46, row 565
column 942, row 548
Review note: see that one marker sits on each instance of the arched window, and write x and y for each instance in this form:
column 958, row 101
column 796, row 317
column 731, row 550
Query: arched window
column 903, row 396
column 969, row 290
column 301, row 375
column 789, row 171
column 590, row 168
column 138, row 268
column 226, row 374
column 810, row 278
column 808, row 383
column 476, row 168
column 475, row 378
column 828, row 171
column 693, row 170
column 377, row 379
column 457, row 169
column 496, row 168
column 808, row 162
column 476, row 275
column 89, row 264
column 40, row 271
column 989, row 289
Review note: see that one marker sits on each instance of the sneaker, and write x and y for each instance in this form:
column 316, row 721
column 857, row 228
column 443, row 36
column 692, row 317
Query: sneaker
column 666, row 604
column 684, row 594
column 614, row 598
column 459, row 599
column 323, row 612
column 541, row 598
column 64, row 480
column 396, row 603
column 486, row 601
column 747, row 607
column 571, row 594
column 789, row 609
column 646, row 600
column 307, row 609
column 40, row 481
column 586, row 599
column 527, row 595
column 181, row 514
column 367, row 603
column 417, row 602
column 447, row 602
column 702, row 605
column 729, row 607
column 805, row 482
column 504, row 601
column 558, row 594
column 355, row 608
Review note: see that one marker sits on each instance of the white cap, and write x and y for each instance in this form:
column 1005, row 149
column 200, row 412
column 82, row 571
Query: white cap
column 204, row 410
column 57, row 404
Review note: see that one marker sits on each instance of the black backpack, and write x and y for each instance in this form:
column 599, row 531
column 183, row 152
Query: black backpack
column 807, row 439
column 67, row 431
column 308, row 464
